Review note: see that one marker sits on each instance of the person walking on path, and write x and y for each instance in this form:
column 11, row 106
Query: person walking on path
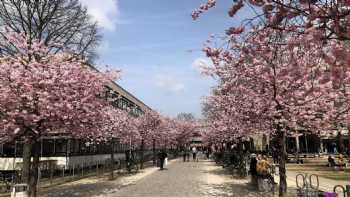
column 252, row 169
column 162, row 155
column 184, row 154
column 194, row 153
column 188, row 150
column 199, row 155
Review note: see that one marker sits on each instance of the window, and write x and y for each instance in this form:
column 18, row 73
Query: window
column 84, row 148
column 75, row 146
column 8, row 150
column 61, row 147
column 48, row 147
column 19, row 149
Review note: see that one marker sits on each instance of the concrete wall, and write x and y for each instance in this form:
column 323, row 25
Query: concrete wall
column 11, row 163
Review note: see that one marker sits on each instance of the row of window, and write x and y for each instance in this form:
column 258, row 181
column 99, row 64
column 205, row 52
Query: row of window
column 121, row 102
column 62, row 147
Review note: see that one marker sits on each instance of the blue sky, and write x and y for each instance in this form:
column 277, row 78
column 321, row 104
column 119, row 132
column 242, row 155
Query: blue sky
column 157, row 46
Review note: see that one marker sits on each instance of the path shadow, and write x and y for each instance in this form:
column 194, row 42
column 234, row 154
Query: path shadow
column 82, row 190
column 237, row 187
column 234, row 190
column 218, row 171
column 225, row 172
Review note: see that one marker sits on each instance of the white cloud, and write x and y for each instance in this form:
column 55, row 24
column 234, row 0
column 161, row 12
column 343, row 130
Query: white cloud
column 105, row 12
column 200, row 63
column 169, row 82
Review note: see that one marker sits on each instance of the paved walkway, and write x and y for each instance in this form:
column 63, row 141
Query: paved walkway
column 190, row 179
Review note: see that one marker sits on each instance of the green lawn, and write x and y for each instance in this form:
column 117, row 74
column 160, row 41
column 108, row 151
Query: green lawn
column 338, row 177
column 321, row 170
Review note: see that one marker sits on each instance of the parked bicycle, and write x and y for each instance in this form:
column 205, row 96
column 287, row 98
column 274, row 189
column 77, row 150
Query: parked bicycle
column 8, row 180
column 131, row 162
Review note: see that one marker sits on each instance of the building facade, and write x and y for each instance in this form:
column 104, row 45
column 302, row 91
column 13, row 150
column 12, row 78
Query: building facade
column 67, row 152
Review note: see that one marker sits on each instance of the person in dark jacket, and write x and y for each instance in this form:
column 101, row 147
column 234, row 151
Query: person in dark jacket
column 331, row 162
column 187, row 154
column 252, row 169
column 184, row 154
column 162, row 155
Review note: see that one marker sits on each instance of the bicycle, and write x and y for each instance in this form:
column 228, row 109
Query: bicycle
column 132, row 166
column 9, row 180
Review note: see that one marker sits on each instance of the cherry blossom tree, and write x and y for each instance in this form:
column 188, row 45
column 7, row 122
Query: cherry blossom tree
column 117, row 124
column 148, row 127
column 272, row 82
column 282, row 69
column 184, row 131
column 312, row 17
column 316, row 21
column 50, row 94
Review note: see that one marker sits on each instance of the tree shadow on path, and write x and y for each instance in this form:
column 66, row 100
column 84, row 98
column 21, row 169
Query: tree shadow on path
column 229, row 186
column 87, row 187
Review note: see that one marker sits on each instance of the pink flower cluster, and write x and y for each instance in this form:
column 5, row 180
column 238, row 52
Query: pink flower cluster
column 204, row 7
column 44, row 94
column 273, row 80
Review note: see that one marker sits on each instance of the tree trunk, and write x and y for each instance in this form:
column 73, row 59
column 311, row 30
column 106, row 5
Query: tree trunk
column 306, row 144
column 297, row 146
column 112, row 160
column 282, row 164
column 142, row 153
column 35, row 169
column 27, row 154
column 154, row 151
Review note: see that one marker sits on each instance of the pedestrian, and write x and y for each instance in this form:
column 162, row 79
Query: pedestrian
column 184, row 153
column 194, row 153
column 128, row 159
column 262, row 168
column 331, row 162
column 199, row 155
column 252, row 170
column 162, row 155
column 188, row 154
column 335, row 151
column 274, row 155
column 208, row 153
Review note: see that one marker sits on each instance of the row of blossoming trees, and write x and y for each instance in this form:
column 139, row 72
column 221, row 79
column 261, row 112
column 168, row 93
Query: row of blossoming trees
column 44, row 94
column 284, row 69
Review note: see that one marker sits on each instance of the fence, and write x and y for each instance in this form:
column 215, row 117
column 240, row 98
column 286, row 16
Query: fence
column 51, row 174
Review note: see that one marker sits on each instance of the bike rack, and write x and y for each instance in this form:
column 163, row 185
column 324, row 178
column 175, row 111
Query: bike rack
column 308, row 187
column 345, row 190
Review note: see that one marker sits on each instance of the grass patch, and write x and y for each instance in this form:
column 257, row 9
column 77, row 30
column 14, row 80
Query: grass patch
column 337, row 177
column 321, row 170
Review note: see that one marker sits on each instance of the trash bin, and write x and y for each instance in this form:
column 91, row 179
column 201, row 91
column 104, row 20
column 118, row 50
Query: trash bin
column 20, row 190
